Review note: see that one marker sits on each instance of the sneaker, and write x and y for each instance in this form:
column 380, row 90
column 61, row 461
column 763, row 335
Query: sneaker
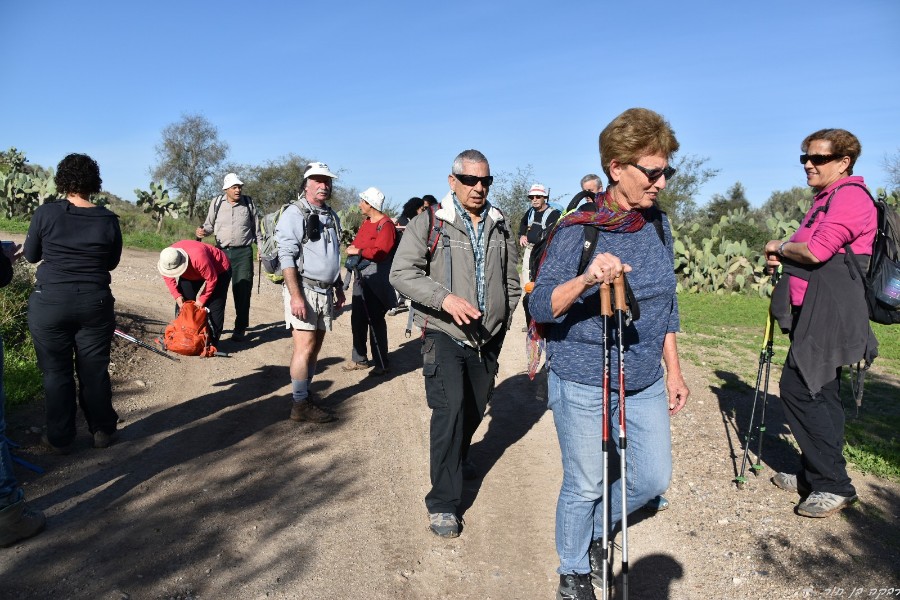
column 445, row 525
column 238, row 335
column 355, row 366
column 788, row 483
column 379, row 371
column 307, row 411
column 823, row 504
column 103, row 439
column 658, row 504
column 469, row 470
column 575, row 586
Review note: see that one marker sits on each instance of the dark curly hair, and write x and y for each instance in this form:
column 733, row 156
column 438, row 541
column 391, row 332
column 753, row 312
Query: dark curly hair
column 78, row 174
column 411, row 207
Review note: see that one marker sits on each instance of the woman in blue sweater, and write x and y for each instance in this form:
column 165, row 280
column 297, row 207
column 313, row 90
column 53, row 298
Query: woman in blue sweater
column 635, row 149
column 70, row 312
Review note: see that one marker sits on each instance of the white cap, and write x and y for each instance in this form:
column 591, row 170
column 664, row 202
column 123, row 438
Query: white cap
column 373, row 197
column 230, row 180
column 318, row 168
column 172, row 262
column 538, row 190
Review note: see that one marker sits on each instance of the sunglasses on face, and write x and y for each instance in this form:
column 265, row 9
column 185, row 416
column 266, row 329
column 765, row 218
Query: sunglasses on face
column 535, row 197
column 472, row 180
column 654, row 174
column 818, row 159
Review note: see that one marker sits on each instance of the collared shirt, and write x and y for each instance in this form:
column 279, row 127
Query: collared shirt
column 234, row 225
column 476, row 237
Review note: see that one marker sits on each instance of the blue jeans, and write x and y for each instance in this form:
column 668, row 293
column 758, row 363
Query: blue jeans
column 7, row 479
column 578, row 415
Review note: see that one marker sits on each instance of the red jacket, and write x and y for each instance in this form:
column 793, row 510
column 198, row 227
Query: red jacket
column 205, row 263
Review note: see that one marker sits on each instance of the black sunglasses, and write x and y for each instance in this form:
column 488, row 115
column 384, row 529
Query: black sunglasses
column 819, row 159
column 654, row 174
column 533, row 197
column 472, row 180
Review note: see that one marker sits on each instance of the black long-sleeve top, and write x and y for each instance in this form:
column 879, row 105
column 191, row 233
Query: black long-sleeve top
column 76, row 245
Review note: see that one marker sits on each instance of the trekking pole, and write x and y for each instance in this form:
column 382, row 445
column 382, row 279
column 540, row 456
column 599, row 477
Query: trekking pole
column 133, row 340
column 621, row 307
column 606, row 313
column 258, row 276
column 765, row 364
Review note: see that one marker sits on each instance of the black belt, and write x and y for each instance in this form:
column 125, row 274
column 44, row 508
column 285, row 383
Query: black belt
column 234, row 247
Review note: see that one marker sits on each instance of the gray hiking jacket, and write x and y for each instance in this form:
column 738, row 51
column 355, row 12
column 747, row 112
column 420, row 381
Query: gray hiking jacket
column 425, row 282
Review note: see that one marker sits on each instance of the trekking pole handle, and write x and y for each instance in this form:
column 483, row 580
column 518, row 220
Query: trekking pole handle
column 619, row 288
column 605, row 301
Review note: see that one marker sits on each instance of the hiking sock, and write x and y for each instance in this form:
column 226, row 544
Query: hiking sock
column 300, row 389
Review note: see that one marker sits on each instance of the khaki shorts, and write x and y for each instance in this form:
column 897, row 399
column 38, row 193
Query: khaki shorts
column 319, row 308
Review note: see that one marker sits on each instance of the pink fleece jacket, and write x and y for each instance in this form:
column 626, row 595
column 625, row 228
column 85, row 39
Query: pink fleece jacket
column 851, row 219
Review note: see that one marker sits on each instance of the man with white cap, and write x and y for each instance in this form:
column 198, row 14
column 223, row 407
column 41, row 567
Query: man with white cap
column 309, row 249
column 535, row 225
column 369, row 257
column 200, row 272
column 233, row 219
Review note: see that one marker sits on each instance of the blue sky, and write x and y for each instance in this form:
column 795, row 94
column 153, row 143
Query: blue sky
column 390, row 92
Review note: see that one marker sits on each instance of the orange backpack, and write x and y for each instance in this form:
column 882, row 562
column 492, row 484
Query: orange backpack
column 188, row 334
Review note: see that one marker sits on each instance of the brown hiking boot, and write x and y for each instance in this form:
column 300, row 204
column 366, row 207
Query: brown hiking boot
column 307, row 411
column 19, row 522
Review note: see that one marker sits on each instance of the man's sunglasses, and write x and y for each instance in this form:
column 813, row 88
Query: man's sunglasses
column 472, row 180
column 535, row 197
column 654, row 174
column 819, row 159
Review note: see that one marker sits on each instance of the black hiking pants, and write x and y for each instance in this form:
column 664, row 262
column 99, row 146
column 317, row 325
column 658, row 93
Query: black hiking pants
column 458, row 387
column 367, row 323
column 817, row 422
column 69, row 320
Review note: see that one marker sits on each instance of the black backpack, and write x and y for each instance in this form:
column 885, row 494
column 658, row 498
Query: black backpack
column 882, row 278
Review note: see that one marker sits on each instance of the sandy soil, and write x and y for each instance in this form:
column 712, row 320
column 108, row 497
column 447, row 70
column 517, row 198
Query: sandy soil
column 211, row 492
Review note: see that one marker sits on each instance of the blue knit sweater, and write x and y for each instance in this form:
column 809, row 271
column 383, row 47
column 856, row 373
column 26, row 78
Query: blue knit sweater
column 574, row 340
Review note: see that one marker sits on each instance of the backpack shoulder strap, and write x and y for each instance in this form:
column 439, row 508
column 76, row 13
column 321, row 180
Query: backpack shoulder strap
column 589, row 235
column 217, row 204
column 824, row 209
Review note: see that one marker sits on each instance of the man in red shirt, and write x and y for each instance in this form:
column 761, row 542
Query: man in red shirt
column 200, row 272
column 369, row 256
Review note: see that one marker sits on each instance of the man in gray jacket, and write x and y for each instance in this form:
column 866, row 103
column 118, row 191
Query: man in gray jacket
column 309, row 249
column 461, row 274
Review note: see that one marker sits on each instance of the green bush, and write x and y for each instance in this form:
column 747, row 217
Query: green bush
column 22, row 379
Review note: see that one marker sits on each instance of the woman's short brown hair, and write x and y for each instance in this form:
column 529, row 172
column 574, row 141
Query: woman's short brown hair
column 635, row 133
column 842, row 141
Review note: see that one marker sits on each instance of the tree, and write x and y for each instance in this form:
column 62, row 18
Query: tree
column 189, row 155
column 733, row 200
column 677, row 199
column 510, row 194
column 791, row 204
column 891, row 164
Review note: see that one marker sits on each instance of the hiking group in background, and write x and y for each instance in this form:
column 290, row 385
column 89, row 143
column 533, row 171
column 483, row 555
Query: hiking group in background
column 455, row 265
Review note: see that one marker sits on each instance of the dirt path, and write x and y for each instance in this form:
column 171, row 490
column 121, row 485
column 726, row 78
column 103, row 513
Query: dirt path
column 213, row 493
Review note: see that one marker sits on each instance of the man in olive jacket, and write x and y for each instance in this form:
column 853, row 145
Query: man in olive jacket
column 461, row 275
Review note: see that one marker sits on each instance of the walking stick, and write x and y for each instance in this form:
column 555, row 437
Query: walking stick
column 133, row 340
column 765, row 364
column 621, row 307
column 258, row 276
column 606, row 313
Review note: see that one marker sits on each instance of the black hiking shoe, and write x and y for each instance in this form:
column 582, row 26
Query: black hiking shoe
column 575, row 586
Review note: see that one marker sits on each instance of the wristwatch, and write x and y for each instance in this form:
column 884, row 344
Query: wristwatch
column 781, row 249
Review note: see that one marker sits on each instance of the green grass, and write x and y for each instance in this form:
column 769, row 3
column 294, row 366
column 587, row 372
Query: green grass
column 725, row 334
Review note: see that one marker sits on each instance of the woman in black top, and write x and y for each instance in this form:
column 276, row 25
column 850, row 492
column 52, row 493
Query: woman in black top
column 70, row 312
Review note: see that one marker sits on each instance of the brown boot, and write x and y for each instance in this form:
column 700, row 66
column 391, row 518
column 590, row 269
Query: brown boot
column 307, row 411
column 18, row 522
